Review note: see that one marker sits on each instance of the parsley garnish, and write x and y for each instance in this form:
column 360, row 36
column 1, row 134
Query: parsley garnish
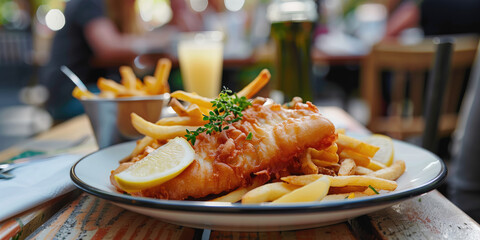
column 249, row 136
column 373, row 189
column 228, row 109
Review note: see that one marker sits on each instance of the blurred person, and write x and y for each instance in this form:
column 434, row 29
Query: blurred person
column 435, row 17
column 98, row 37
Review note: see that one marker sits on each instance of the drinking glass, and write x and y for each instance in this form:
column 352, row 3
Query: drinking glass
column 200, row 56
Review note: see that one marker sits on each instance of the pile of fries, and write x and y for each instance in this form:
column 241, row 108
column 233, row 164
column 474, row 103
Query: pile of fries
column 345, row 170
column 346, row 167
column 130, row 85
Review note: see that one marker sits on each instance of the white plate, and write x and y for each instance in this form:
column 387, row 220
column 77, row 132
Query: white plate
column 424, row 172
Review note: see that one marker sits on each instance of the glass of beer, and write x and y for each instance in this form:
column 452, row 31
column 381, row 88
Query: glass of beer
column 200, row 55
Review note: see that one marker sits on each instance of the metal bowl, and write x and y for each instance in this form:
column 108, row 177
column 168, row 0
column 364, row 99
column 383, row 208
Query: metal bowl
column 110, row 118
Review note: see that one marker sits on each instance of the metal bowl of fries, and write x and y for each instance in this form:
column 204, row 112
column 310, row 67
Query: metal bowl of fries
column 110, row 118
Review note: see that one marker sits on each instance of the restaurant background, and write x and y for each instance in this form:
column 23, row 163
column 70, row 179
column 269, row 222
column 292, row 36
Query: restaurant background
column 342, row 36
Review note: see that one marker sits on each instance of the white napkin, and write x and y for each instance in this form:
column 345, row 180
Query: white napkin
column 34, row 184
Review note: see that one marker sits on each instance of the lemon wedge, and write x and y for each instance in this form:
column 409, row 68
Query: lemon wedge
column 385, row 154
column 159, row 166
column 311, row 192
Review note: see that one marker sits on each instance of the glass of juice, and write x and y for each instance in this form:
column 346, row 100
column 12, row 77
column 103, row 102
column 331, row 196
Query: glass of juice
column 200, row 55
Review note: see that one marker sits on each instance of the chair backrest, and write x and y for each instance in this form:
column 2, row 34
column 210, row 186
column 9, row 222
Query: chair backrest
column 397, row 101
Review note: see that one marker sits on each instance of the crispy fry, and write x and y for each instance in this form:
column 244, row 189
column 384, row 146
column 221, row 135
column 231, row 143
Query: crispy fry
column 342, row 181
column 253, row 87
column 327, row 171
column 361, row 147
column 323, row 155
column 110, row 85
column 184, row 121
column 322, row 163
column 314, row 191
column 178, row 107
column 391, row 173
column 308, row 167
column 141, row 144
column 340, row 130
column 162, row 71
column 346, row 189
column 193, row 98
column 131, row 93
column 79, row 94
column 375, row 166
column 332, row 148
column 359, row 170
column 347, row 167
column 360, row 159
column 267, row 192
column 194, row 112
column 156, row 131
column 129, row 80
column 149, row 82
column 107, row 95
column 237, row 195
column 139, row 84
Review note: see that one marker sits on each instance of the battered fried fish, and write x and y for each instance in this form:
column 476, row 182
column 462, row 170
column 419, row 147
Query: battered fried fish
column 227, row 160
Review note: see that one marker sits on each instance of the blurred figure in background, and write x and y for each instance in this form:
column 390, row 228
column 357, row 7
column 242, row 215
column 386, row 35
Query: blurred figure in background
column 98, row 36
column 435, row 17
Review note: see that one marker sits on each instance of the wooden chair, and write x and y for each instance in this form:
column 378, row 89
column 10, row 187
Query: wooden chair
column 400, row 114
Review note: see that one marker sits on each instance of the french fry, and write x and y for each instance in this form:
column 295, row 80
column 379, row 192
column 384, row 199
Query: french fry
column 323, row 155
column 267, row 192
column 322, row 163
column 347, row 167
column 342, row 181
column 178, row 107
column 184, row 121
column 332, row 148
column 346, row 189
column 79, row 94
column 237, row 195
column 141, row 144
column 375, row 166
column 307, row 166
column 149, row 82
column 129, row 80
column 361, row 147
column 391, row 173
column 162, row 71
column 193, row 98
column 340, row 130
column 156, row 131
column 327, row 171
column 131, row 93
column 314, row 191
column 110, row 85
column 359, row 170
column 360, row 159
column 194, row 112
column 107, row 94
column 139, row 84
column 253, row 87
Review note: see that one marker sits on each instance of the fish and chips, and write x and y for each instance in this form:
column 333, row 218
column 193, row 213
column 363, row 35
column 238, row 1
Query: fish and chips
column 254, row 150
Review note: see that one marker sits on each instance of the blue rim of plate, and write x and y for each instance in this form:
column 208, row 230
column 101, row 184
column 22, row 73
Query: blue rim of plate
column 237, row 208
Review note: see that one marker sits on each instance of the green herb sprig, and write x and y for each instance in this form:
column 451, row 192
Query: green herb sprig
column 373, row 189
column 228, row 109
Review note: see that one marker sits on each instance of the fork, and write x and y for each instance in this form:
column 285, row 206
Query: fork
column 6, row 167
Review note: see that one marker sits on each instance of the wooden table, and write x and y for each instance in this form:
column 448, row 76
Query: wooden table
column 78, row 215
